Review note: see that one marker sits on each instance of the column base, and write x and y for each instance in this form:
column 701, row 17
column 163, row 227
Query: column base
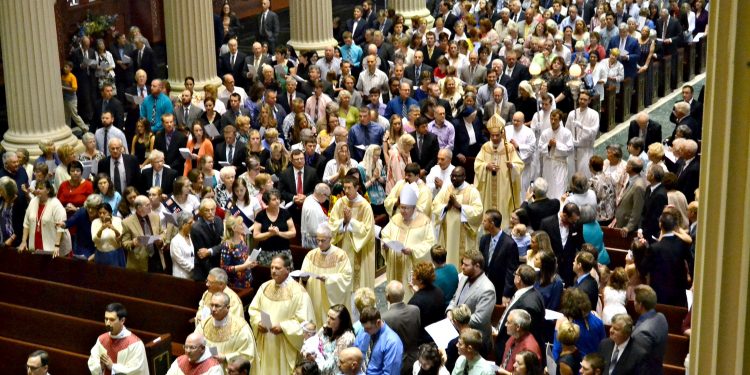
column 318, row 46
column 13, row 140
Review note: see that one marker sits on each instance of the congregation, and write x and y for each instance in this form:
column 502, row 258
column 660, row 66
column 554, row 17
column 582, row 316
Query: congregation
column 456, row 157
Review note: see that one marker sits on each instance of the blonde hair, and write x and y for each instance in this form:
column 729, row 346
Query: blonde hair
column 229, row 222
column 568, row 333
column 364, row 297
column 519, row 230
column 65, row 151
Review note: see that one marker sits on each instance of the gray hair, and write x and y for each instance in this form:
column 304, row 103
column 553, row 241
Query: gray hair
column 690, row 146
column 183, row 217
column 588, row 213
column 111, row 140
column 223, row 296
column 682, row 107
column 623, row 26
column 324, row 230
column 87, row 137
column 521, row 318
column 142, row 200
column 219, row 274
column 657, row 172
column 540, row 188
column 93, row 201
column 8, row 155
column 156, row 154
column 322, row 189
column 9, row 187
column 616, row 149
column 394, row 291
column 626, row 320
column 448, row 153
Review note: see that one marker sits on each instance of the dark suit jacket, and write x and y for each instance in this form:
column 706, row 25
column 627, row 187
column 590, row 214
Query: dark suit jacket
column 405, row 321
column 283, row 99
column 148, row 63
column 430, row 147
column 462, row 138
column 118, row 111
column 239, row 157
column 653, row 206
column 565, row 254
column 288, row 182
column 653, row 132
column 630, row 361
column 358, row 35
column 665, row 263
column 172, row 155
column 696, row 111
column 634, row 52
column 691, row 123
column 122, row 76
column 436, row 53
column 132, row 170
column 386, row 27
column 411, row 72
column 250, row 60
column 271, row 26
column 674, row 33
column 589, row 286
column 540, row 210
column 520, row 72
column 206, row 235
column 502, row 266
column 688, row 179
column 317, row 162
column 531, row 302
column 651, row 332
column 168, row 175
column 450, row 21
column 229, row 118
column 225, row 67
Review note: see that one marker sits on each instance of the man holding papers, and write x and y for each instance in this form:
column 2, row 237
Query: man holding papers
column 407, row 239
column 143, row 251
column 225, row 334
column 332, row 284
column 458, row 206
column 352, row 224
column 280, row 335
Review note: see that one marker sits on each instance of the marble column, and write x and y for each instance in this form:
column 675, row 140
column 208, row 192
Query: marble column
column 31, row 66
column 189, row 28
column 720, row 340
column 411, row 8
column 311, row 25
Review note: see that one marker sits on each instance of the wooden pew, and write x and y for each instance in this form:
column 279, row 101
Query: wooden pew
column 678, row 65
column 665, row 73
column 613, row 239
column 672, row 370
column 61, row 362
column 74, row 334
column 616, row 257
column 623, row 100
column 653, row 83
column 688, row 64
column 89, row 304
column 497, row 313
column 607, row 118
column 675, row 315
column 678, row 347
column 148, row 286
column 640, row 92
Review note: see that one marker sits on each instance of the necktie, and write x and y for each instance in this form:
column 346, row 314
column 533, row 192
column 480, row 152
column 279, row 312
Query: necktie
column 613, row 362
column 106, row 139
column 153, row 112
column 316, row 109
column 404, row 111
column 491, row 251
column 157, row 178
column 185, row 117
column 262, row 22
column 104, row 105
column 299, row 183
column 664, row 29
column 169, row 139
column 232, row 62
column 116, row 172
column 255, row 64
column 419, row 71
column 230, row 154
column 291, row 97
column 140, row 56
column 419, row 144
column 143, row 91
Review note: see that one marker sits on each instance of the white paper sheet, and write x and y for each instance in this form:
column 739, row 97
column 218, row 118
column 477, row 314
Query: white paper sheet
column 265, row 320
column 552, row 315
column 146, row 240
column 442, row 332
column 378, row 228
column 551, row 364
column 299, row 273
column 211, row 130
column 394, row 246
column 224, row 163
column 254, row 255
column 137, row 100
column 185, row 152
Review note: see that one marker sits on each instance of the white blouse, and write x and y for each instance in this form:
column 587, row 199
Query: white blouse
column 181, row 250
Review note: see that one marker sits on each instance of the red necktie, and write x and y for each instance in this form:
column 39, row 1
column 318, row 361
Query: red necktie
column 299, row 182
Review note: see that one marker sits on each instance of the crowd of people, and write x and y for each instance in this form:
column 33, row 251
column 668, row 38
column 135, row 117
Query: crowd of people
column 390, row 126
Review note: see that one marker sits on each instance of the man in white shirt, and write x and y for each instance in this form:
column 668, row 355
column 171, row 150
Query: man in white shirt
column 329, row 63
column 440, row 172
column 109, row 131
column 371, row 77
column 228, row 89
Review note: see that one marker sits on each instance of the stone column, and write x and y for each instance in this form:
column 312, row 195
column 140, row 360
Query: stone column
column 32, row 76
column 311, row 24
column 720, row 321
column 189, row 27
column 411, row 8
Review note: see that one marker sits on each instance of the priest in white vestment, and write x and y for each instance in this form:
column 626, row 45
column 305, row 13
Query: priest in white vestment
column 524, row 141
column 118, row 351
column 555, row 145
column 583, row 123
column 440, row 173
column 314, row 212
column 217, row 282
column 231, row 337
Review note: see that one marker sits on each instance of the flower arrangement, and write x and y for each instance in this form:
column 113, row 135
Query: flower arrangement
column 97, row 25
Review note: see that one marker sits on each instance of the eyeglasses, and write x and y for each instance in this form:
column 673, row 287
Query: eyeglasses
column 192, row 347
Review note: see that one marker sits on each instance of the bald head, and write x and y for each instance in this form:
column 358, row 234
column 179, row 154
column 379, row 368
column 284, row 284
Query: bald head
column 350, row 360
column 642, row 119
column 394, row 292
column 518, row 119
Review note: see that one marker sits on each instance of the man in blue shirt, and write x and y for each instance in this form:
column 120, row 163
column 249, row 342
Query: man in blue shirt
column 400, row 104
column 364, row 134
column 382, row 347
column 155, row 105
column 351, row 52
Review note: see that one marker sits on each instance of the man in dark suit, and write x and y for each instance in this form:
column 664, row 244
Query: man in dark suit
column 405, row 320
column 234, row 110
column 513, row 74
column 123, row 72
column 143, row 58
column 252, row 68
column 425, row 148
column 187, row 113
column 206, row 234
column 501, row 254
column 268, row 26
column 122, row 168
column 669, row 30
column 449, row 19
column 85, row 77
column 297, row 181
column 109, row 103
column 538, row 206
column 414, row 71
column 233, row 62
column 285, row 100
column 564, row 248
column 681, row 114
column 582, row 267
column 622, row 356
column 231, row 150
column 668, row 263
column 157, row 175
column 463, row 148
column 653, row 204
column 629, row 50
column 645, row 128
column 688, row 169
column 696, row 107
column 169, row 141
column 313, row 159
column 357, row 26
column 525, row 298
column 431, row 51
column 651, row 330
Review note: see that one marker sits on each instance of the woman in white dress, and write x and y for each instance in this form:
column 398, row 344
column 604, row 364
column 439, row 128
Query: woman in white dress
column 181, row 247
column 614, row 295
